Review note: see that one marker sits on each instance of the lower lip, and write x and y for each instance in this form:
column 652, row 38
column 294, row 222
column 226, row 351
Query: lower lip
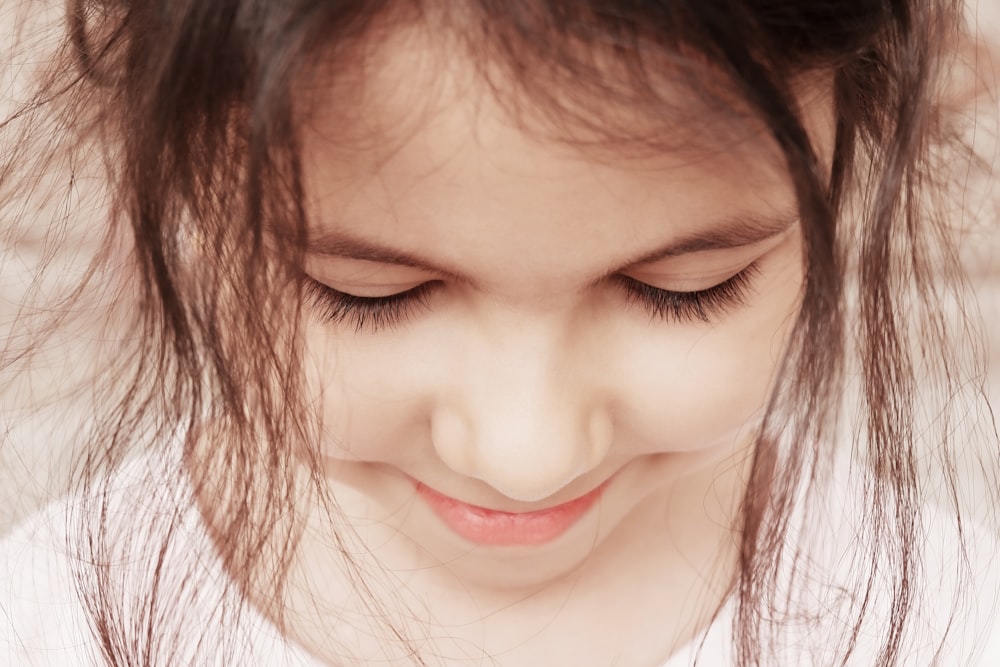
column 492, row 528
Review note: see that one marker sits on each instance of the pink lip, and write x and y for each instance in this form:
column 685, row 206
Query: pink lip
column 494, row 528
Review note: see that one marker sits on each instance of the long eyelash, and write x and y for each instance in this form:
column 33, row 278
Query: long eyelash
column 703, row 305
column 366, row 313
column 384, row 312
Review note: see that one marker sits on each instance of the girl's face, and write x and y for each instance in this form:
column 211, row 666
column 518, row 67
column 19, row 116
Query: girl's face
column 537, row 364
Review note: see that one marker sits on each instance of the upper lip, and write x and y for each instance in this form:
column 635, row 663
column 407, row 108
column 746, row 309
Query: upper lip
column 516, row 507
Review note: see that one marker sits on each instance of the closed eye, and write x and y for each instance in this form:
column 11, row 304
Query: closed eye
column 367, row 312
column 698, row 306
column 385, row 312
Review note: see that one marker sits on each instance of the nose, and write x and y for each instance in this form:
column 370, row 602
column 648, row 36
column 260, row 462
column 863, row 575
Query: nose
column 523, row 419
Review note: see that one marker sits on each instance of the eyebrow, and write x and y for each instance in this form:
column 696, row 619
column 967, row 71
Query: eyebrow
column 736, row 232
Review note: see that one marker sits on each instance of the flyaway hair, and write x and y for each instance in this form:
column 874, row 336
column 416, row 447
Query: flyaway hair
column 180, row 121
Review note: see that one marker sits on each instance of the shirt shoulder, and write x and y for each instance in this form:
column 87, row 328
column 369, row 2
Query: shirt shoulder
column 44, row 617
column 954, row 618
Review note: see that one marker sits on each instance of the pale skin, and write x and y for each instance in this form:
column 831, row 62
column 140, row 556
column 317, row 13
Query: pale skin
column 527, row 376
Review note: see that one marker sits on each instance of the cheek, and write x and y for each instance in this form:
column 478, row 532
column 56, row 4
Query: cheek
column 703, row 390
column 371, row 395
column 694, row 398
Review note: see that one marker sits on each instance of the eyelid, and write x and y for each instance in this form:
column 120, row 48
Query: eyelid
column 365, row 278
column 370, row 291
column 364, row 312
column 684, row 284
column 692, row 281
column 702, row 305
column 391, row 310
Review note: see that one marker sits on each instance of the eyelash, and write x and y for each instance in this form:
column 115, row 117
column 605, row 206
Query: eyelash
column 682, row 307
column 366, row 312
column 386, row 312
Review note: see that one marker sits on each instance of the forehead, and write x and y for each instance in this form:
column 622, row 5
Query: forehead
column 422, row 144
column 375, row 90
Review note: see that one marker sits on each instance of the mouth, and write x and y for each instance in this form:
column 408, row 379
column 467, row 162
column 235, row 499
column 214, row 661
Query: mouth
column 487, row 527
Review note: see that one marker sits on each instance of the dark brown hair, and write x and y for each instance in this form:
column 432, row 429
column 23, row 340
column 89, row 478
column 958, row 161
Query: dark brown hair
column 192, row 106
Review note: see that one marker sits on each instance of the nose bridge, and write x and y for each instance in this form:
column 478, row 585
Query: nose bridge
column 523, row 418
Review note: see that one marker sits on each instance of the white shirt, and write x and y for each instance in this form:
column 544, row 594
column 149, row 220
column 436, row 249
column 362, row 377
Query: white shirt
column 43, row 622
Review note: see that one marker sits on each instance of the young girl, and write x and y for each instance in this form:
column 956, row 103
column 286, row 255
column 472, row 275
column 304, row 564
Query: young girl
column 514, row 333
